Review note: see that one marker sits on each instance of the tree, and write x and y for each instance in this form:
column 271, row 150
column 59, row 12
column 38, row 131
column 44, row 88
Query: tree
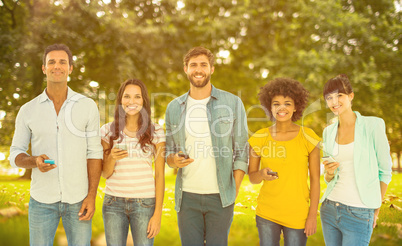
column 254, row 41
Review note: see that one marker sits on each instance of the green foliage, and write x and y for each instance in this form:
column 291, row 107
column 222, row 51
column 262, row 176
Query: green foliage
column 254, row 41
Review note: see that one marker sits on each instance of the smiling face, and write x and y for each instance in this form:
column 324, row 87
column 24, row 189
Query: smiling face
column 132, row 100
column 339, row 102
column 57, row 67
column 199, row 71
column 283, row 108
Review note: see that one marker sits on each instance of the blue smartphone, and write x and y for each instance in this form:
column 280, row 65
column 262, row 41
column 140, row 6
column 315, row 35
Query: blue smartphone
column 49, row 161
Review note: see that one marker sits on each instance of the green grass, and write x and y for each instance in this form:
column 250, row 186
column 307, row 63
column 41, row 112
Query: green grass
column 14, row 230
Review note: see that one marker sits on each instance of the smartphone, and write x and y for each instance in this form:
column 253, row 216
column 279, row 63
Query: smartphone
column 120, row 146
column 273, row 174
column 84, row 213
column 330, row 159
column 49, row 161
column 183, row 155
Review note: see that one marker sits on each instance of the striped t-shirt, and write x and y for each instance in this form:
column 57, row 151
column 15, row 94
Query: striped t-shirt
column 133, row 176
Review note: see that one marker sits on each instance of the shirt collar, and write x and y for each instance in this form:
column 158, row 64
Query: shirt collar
column 214, row 94
column 71, row 95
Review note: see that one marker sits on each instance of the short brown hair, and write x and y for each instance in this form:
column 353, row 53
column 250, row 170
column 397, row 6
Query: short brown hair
column 284, row 87
column 197, row 51
column 339, row 84
column 58, row 47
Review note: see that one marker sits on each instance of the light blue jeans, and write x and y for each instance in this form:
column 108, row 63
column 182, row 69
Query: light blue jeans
column 44, row 220
column 270, row 233
column 203, row 219
column 346, row 225
column 119, row 213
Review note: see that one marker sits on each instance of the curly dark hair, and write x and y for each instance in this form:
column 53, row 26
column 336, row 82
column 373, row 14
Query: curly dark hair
column 146, row 128
column 284, row 87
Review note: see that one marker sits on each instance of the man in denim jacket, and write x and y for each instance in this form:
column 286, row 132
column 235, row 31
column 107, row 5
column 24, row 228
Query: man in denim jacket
column 206, row 138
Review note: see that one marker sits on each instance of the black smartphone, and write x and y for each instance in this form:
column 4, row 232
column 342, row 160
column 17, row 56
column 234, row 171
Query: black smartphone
column 273, row 174
column 84, row 213
column 183, row 155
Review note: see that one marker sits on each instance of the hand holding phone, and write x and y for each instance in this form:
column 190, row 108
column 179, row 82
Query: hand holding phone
column 183, row 155
column 330, row 159
column 273, row 174
column 49, row 161
column 44, row 163
column 119, row 150
column 181, row 160
column 120, row 146
column 268, row 174
column 331, row 165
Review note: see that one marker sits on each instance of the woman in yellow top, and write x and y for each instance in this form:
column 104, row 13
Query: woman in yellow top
column 289, row 151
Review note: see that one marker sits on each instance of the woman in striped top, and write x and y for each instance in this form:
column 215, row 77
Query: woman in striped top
column 133, row 197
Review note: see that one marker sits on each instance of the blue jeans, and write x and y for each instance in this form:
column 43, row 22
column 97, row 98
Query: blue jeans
column 346, row 225
column 119, row 213
column 202, row 218
column 270, row 233
column 44, row 220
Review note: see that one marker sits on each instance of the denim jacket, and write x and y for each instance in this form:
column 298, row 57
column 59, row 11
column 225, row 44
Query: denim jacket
column 228, row 125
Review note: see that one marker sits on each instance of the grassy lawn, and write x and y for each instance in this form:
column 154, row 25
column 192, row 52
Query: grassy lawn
column 14, row 196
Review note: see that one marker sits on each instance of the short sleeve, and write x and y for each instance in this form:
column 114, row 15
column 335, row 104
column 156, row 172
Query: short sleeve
column 311, row 138
column 159, row 135
column 257, row 140
column 105, row 132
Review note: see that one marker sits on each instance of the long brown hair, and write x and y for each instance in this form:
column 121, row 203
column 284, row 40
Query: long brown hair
column 145, row 126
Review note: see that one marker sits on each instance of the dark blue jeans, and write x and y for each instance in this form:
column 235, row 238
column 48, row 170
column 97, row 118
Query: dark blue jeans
column 270, row 234
column 203, row 220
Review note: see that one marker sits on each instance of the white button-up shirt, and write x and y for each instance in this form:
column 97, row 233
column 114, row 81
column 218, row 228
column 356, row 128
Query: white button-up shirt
column 69, row 138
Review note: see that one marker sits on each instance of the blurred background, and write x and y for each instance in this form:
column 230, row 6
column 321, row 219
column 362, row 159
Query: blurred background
column 254, row 41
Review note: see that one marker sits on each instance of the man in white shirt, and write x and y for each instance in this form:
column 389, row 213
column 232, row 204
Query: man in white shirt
column 210, row 126
column 62, row 127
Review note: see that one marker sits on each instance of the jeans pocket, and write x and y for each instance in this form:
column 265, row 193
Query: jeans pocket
column 108, row 200
column 358, row 213
column 147, row 202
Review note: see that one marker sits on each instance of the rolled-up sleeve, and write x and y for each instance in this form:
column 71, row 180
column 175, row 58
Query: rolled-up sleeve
column 382, row 150
column 240, row 136
column 22, row 137
column 94, row 146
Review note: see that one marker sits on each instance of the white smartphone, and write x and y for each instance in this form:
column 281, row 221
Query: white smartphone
column 330, row 159
column 117, row 145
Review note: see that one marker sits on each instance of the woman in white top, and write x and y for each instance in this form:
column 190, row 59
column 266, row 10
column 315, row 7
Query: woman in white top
column 358, row 176
column 133, row 197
